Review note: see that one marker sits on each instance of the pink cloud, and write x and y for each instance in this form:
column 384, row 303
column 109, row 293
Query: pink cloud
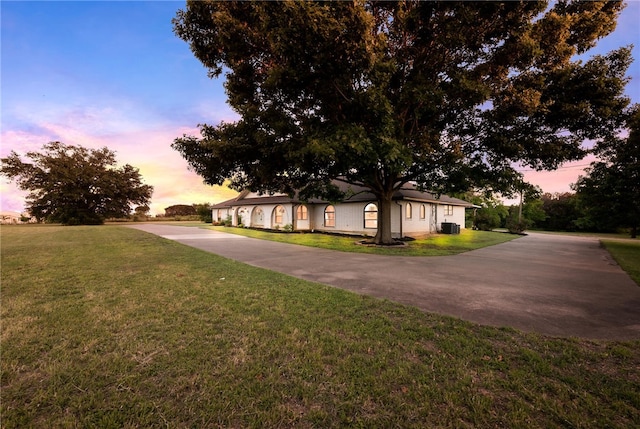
column 149, row 150
column 559, row 180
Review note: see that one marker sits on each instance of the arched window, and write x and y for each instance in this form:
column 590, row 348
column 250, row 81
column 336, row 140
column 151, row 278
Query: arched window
column 330, row 216
column 278, row 214
column 371, row 216
column 256, row 217
column 423, row 211
column 302, row 213
column 408, row 211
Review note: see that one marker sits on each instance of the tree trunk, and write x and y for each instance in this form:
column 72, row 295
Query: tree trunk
column 385, row 205
column 634, row 231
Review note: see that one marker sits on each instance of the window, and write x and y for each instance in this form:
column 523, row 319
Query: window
column 330, row 216
column 448, row 210
column 302, row 213
column 408, row 211
column 278, row 214
column 423, row 211
column 371, row 216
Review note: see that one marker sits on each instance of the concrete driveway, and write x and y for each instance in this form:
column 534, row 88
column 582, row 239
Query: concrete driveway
column 550, row 284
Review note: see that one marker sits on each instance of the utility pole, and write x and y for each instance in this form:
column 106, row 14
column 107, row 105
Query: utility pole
column 520, row 209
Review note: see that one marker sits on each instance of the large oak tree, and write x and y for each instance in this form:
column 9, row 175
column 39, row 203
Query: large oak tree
column 449, row 95
column 75, row 185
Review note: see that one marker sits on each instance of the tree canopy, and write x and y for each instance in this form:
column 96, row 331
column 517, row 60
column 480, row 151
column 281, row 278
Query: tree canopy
column 75, row 185
column 562, row 211
column 449, row 95
column 180, row 210
column 610, row 191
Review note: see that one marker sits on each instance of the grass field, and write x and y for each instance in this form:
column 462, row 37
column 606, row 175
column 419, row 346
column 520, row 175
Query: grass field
column 111, row 327
column 434, row 245
column 627, row 255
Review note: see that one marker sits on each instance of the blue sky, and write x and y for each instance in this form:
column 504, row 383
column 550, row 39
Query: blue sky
column 114, row 74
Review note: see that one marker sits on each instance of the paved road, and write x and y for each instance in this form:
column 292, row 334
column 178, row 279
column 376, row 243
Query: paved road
column 550, row 284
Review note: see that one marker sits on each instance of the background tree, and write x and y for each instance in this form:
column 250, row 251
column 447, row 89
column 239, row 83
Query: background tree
column 204, row 212
column 610, row 191
column 180, row 210
column 562, row 210
column 491, row 214
column 527, row 214
column 445, row 94
column 75, row 185
column 141, row 213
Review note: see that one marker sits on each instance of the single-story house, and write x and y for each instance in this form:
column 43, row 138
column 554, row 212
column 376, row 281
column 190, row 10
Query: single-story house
column 416, row 212
column 8, row 217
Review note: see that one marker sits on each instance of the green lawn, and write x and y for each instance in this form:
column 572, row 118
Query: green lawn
column 111, row 327
column 627, row 255
column 434, row 245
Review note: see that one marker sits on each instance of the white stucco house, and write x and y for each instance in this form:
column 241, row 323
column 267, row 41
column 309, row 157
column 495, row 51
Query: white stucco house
column 416, row 213
column 8, row 218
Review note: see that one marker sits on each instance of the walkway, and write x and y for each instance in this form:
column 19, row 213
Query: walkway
column 550, row 284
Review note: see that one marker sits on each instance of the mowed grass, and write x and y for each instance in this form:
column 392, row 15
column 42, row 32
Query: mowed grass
column 433, row 245
column 627, row 255
column 112, row 327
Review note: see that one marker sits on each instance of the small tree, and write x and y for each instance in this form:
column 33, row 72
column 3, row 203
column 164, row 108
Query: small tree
column 74, row 185
column 204, row 212
column 141, row 212
column 491, row 214
column 528, row 213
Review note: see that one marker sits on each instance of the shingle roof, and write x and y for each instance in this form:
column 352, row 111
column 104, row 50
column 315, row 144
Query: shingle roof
column 354, row 193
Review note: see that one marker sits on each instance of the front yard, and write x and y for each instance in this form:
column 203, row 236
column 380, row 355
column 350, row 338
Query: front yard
column 112, row 327
column 434, row 245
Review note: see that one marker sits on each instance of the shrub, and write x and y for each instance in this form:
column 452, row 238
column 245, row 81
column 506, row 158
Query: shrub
column 516, row 226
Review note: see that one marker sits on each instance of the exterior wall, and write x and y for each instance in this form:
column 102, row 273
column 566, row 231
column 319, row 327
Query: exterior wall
column 456, row 217
column 434, row 216
column 257, row 217
column 416, row 224
column 220, row 215
column 8, row 218
column 302, row 224
column 241, row 215
column 349, row 217
column 397, row 221
column 350, row 220
column 287, row 217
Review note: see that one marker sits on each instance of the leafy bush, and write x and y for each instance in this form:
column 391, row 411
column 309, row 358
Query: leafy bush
column 204, row 212
column 516, row 226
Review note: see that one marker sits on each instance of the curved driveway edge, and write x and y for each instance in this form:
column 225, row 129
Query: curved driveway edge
column 550, row 284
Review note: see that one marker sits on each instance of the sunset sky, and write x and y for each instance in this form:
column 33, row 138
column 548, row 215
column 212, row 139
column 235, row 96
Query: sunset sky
column 113, row 74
